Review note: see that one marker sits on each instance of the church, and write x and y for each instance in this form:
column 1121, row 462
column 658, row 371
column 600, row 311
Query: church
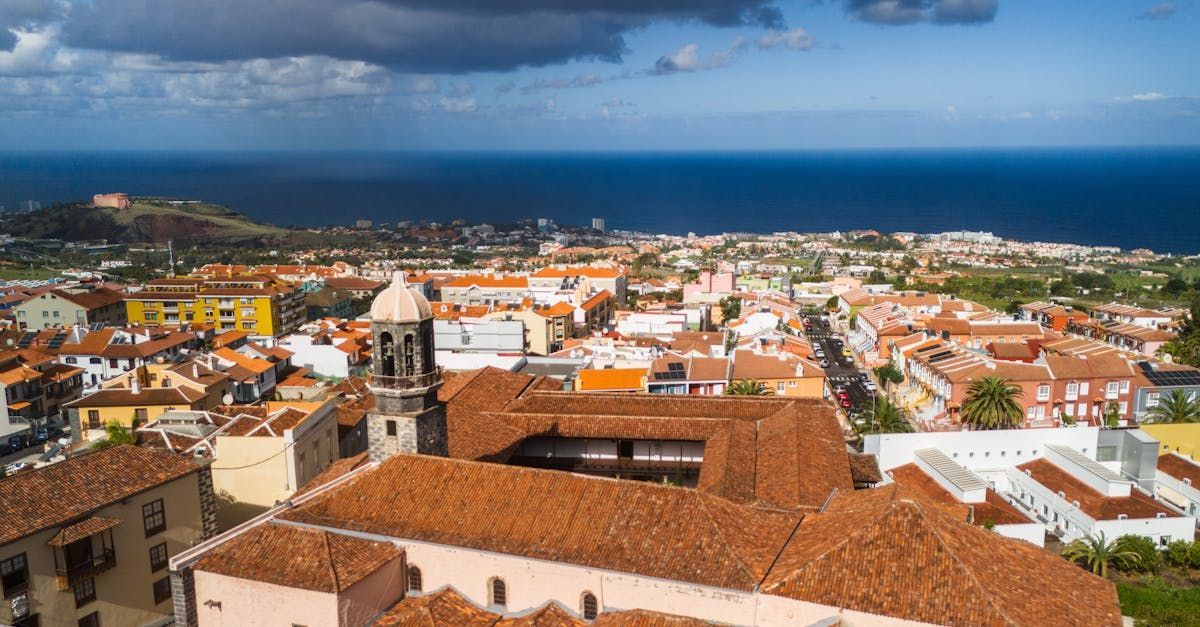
column 494, row 498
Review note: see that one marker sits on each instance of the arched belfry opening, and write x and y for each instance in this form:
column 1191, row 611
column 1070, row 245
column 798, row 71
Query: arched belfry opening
column 404, row 376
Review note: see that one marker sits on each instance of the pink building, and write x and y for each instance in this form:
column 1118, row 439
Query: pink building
column 709, row 283
column 114, row 200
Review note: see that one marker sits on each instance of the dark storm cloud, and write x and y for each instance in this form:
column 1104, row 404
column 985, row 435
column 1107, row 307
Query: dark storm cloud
column 21, row 14
column 899, row 12
column 406, row 35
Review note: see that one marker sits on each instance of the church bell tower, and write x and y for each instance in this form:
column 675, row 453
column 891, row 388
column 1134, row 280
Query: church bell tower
column 407, row 417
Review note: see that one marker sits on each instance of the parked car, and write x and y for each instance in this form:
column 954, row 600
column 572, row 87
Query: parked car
column 870, row 385
column 18, row 442
column 824, row 363
column 846, row 403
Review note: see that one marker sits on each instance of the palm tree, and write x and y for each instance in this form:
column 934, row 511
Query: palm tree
column 991, row 403
column 749, row 387
column 1178, row 406
column 883, row 417
column 1097, row 552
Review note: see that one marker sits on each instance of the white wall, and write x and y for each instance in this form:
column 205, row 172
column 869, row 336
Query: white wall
column 980, row 450
column 323, row 359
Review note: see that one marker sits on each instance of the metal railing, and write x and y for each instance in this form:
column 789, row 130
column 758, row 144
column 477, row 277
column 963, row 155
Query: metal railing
column 100, row 562
column 405, row 383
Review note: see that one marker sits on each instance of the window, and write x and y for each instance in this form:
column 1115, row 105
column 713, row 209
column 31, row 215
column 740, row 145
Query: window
column 1111, row 389
column 95, row 361
column 140, row 415
column 588, row 606
column 1072, row 391
column 45, row 314
column 85, row 591
column 779, row 386
column 1083, row 387
column 71, row 360
column 162, row 590
column 14, row 575
column 497, row 592
column 1124, row 387
column 1152, row 399
column 158, row 557
column 91, row 620
column 391, row 427
column 153, row 517
column 414, row 579
column 1043, row 392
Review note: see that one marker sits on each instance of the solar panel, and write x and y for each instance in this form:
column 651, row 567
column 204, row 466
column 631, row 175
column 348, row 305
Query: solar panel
column 1170, row 378
column 675, row 366
column 26, row 339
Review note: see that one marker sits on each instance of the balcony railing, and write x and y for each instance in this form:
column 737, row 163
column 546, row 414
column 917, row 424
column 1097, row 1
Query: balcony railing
column 100, row 562
column 405, row 383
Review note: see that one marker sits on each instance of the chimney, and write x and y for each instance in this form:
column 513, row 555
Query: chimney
column 195, row 370
column 135, row 386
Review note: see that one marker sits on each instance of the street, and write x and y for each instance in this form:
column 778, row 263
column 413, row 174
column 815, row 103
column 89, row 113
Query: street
column 837, row 372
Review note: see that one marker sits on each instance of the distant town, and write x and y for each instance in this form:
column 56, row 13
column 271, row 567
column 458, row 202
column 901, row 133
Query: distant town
column 544, row 422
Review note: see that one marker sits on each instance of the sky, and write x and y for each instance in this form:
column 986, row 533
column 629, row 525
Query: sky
column 586, row 75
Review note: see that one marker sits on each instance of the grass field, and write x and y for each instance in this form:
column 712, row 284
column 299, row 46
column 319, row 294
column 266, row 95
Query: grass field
column 14, row 273
column 1153, row 602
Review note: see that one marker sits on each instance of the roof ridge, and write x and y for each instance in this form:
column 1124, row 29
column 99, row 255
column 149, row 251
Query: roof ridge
column 332, row 567
column 991, row 598
column 720, row 532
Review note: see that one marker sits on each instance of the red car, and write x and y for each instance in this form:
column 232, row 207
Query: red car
column 843, row 394
column 846, row 403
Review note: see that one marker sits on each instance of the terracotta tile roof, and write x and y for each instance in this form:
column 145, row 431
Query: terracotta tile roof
column 147, row 397
column 167, row 342
column 611, row 379
column 646, row 618
column 572, row 271
column 296, row 557
column 748, row 364
column 61, row 372
column 549, row 615
column 927, row 565
column 627, row 526
column 561, row 308
column 101, row 297
column 864, row 468
column 487, row 281
column 229, row 337
column 253, row 364
column 56, row 494
column 595, row 300
column 93, row 343
column 1092, row 502
column 82, row 529
column 994, row 508
column 1106, row 366
column 1179, row 467
column 334, row 471
column 18, row 374
column 444, row 608
column 352, row 283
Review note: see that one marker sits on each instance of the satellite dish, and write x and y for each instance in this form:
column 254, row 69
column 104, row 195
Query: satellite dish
column 227, row 399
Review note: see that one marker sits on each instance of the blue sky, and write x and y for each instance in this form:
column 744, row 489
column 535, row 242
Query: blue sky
column 596, row 75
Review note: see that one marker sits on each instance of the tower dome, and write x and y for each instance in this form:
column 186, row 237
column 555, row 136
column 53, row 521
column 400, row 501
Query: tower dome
column 400, row 303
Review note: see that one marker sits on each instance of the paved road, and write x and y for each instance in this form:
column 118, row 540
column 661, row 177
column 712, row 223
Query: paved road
column 841, row 370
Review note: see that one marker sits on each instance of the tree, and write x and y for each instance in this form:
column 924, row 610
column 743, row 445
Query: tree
column 117, row 434
column 1097, row 553
column 1174, row 286
column 889, row 373
column 884, row 417
column 832, row 303
column 749, row 387
column 731, row 308
column 992, row 403
column 1178, row 406
column 877, row 276
column 1148, row 556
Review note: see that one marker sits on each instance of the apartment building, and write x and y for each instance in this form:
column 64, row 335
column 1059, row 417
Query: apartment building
column 107, row 353
column 1051, row 315
column 1145, row 340
column 785, row 374
column 35, row 388
column 84, row 305
column 567, row 277
column 261, row 454
column 263, row 305
column 87, row 541
column 475, row 289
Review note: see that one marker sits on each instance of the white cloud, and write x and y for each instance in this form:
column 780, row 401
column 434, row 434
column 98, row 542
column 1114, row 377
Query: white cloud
column 459, row 105
column 795, row 39
column 1149, row 96
column 687, row 59
column 425, row 85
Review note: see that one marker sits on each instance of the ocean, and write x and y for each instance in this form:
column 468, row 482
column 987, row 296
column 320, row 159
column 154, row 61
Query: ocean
column 1128, row 197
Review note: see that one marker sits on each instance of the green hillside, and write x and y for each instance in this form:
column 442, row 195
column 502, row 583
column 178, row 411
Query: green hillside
column 146, row 220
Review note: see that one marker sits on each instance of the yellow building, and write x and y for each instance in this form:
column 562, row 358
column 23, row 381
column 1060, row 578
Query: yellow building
column 126, row 405
column 259, row 304
column 1176, row 438
column 87, row 540
column 783, row 373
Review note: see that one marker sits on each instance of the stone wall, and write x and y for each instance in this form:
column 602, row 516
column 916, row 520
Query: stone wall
column 380, row 445
column 183, row 597
column 208, row 503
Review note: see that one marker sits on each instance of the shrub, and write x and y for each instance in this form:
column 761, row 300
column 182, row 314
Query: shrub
column 1149, row 558
column 1178, row 553
column 1194, row 555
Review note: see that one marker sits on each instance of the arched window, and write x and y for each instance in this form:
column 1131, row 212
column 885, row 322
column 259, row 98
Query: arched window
column 588, row 606
column 387, row 355
column 410, row 367
column 497, row 592
column 414, row 579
